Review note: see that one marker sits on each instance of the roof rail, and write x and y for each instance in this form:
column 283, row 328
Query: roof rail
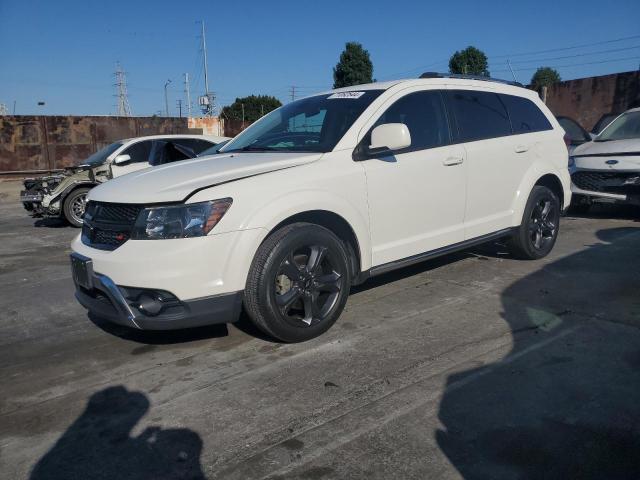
column 469, row 77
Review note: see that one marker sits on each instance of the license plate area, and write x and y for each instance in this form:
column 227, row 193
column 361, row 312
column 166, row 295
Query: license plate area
column 82, row 271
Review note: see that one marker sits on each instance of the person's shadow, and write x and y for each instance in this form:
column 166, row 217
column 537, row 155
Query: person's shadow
column 99, row 445
column 565, row 402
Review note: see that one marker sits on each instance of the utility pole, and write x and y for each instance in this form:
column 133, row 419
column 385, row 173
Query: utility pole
column 209, row 106
column 187, row 93
column 179, row 102
column 166, row 98
column 123, row 108
column 14, row 107
column 242, row 114
column 262, row 110
column 293, row 92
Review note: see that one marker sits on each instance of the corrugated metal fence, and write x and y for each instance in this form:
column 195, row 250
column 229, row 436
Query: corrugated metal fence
column 30, row 143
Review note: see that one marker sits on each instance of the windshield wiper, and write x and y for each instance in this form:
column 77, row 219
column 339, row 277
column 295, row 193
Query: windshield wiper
column 255, row 148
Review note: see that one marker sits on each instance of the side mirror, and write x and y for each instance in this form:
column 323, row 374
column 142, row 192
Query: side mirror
column 120, row 159
column 390, row 136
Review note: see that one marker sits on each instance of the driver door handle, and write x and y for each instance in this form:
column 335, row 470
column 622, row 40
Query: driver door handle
column 452, row 161
column 522, row 148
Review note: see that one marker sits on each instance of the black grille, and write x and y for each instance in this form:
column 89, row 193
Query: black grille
column 108, row 225
column 611, row 182
column 116, row 212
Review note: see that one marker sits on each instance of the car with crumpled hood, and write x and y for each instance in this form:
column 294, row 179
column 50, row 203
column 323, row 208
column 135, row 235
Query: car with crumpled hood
column 63, row 194
column 608, row 168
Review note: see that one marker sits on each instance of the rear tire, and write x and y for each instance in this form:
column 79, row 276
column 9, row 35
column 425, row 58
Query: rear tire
column 537, row 234
column 74, row 206
column 298, row 282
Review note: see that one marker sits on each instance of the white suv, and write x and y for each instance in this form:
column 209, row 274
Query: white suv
column 319, row 195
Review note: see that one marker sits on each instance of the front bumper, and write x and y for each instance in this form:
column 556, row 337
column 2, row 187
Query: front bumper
column 620, row 186
column 126, row 306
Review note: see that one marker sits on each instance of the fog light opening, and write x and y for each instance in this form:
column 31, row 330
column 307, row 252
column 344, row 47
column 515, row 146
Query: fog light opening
column 149, row 305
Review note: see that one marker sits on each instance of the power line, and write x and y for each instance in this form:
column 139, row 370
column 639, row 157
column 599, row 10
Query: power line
column 575, row 55
column 574, row 64
column 604, row 42
column 509, row 56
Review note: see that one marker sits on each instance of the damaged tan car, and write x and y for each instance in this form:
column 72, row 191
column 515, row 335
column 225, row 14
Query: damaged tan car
column 63, row 194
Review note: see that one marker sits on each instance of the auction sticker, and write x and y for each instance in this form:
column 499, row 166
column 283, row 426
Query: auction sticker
column 352, row 95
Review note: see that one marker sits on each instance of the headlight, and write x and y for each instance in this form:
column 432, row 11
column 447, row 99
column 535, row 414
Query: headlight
column 179, row 221
column 572, row 161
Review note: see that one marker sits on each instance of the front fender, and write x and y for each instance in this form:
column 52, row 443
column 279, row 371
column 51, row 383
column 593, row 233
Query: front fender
column 286, row 206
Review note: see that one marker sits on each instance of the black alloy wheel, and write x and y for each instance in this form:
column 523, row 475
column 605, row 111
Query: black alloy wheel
column 298, row 282
column 307, row 285
column 543, row 223
column 537, row 234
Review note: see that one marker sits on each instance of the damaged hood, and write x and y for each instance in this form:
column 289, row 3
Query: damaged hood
column 613, row 155
column 176, row 181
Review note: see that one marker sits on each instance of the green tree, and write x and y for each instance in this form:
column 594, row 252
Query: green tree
column 354, row 67
column 469, row 61
column 544, row 77
column 254, row 107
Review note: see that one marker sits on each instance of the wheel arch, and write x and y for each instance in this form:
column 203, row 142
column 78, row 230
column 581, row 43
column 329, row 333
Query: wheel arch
column 553, row 183
column 537, row 177
column 336, row 224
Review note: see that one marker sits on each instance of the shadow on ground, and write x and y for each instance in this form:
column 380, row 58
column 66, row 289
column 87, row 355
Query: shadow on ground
column 53, row 223
column 565, row 402
column 160, row 337
column 99, row 445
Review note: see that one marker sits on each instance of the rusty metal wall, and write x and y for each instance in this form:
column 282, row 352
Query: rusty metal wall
column 234, row 127
column 587, row 99
column 39, row 143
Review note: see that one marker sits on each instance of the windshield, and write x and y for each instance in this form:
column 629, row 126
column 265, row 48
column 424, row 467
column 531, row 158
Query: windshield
column 313, row 124
column 625, row 127
column 100, row 156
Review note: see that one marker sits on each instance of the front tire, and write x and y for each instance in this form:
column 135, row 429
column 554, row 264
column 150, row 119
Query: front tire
column 74, row 206
column 538, row 231
column 298, row 282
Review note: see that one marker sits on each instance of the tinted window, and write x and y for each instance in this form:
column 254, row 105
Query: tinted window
column 195, row 144
column 577, row 135
column 525, row 115
column 424, row 115
column 479, row 115
column 169, row 151
column 139, row 152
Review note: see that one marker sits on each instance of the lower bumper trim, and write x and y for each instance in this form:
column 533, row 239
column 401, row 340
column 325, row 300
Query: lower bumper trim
column 107, row 300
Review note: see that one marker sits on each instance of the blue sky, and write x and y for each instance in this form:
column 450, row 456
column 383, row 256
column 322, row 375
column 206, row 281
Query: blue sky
column 64, row 52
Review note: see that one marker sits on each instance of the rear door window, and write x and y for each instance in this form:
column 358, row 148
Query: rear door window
column 479, row 115
column 525, row 116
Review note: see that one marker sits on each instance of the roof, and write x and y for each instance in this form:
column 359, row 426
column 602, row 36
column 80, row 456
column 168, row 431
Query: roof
column 440, row 79
column 212, row 138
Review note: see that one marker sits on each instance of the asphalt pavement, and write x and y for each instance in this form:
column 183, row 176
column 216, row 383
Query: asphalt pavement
column 474, row 365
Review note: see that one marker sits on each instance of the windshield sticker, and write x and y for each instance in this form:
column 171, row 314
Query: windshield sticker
column 353, row 95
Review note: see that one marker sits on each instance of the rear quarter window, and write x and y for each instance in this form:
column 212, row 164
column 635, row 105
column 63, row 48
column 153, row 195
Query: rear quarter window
column 479, row 115
column 525, row 115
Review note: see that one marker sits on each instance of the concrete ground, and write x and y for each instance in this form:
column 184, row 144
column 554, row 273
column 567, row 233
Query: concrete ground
column 472, row 366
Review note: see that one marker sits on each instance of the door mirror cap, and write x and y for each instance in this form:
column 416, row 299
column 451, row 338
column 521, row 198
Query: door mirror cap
column 390, row 136
column 120, row 159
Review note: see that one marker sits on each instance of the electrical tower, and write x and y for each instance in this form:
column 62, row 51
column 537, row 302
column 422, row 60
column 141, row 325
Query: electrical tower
column 123, row 107
column 293, row 92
